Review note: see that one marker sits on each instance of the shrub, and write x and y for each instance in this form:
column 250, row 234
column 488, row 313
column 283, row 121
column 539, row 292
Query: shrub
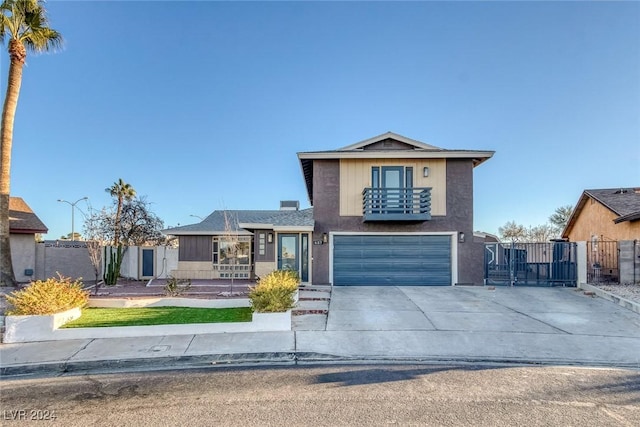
column 48, row 297
column 274, row 292
column 176, row 287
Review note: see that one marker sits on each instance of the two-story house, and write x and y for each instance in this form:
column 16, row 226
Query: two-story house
column 393, row 211
column 385, row 211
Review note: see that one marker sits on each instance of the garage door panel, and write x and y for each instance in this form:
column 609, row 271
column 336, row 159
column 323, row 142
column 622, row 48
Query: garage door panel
column 392, row 260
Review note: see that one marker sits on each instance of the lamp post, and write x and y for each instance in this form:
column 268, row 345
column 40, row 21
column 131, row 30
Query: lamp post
column 197, row 216
column 73, row 206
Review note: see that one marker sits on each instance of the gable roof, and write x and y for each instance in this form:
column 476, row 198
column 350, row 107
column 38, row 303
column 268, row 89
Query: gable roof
column 22, row 220
column 388, row 145
column 389, row 135
column 241, row 221
column 623, row 202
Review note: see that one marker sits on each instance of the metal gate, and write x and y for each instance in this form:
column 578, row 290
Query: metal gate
column 530, row 264
column 603, row 262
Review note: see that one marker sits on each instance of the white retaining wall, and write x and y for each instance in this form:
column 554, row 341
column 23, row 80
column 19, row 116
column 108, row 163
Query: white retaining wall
column 47, row 328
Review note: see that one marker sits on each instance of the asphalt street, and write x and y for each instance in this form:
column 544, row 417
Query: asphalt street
column 447, row 395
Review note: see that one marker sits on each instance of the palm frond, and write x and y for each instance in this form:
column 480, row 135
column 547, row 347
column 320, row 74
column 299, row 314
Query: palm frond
column 43, row 40
column 26, row 20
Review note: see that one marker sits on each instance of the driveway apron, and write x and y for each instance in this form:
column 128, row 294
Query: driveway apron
column 552, row 324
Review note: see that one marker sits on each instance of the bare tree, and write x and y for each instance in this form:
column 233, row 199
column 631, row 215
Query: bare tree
column 513, row 232
column 94, row 249
column 134, row 225
column 230, row 243
column 138, row 225
column 541, row 233
column 95, row 242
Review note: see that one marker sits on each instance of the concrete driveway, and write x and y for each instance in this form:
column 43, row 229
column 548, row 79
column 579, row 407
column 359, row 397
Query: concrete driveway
column 477, row 309
column 550, row 325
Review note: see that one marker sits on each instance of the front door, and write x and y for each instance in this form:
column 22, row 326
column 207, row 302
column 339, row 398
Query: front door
column 288, row 252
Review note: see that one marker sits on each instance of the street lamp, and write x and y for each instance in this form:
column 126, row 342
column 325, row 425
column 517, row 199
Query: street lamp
column 197, row 216
column 73, row 206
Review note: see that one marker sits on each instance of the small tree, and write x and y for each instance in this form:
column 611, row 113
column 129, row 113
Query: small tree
column 94, row 245
column 231, row 242
column 513, row 232
column 541, row 233
column 129, row 222
column 94, row 249
column 139, row 225
column 560, row 217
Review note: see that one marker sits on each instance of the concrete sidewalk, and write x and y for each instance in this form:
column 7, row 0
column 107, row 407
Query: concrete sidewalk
column 392, row 324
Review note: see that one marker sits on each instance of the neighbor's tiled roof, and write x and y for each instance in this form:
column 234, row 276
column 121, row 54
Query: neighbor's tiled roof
column 22, row 219
column 624, row 202
column 621, row 201
column 216, row 224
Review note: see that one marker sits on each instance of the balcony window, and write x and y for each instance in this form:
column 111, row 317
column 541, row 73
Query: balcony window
column 392, row 196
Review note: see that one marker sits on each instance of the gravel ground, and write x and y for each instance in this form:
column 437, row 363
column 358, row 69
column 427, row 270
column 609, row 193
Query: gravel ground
column 628, row 291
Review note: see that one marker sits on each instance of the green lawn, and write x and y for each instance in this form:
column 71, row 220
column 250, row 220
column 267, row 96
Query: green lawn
column 105, row 317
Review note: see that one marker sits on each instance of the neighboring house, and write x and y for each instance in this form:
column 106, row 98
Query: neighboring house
column 394, row 211
column 386, row 211
column 605, row 214
column 483, row 237
column 23, row 226
column 265, row 240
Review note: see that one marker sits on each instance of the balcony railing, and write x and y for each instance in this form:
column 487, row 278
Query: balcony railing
column 396, row 204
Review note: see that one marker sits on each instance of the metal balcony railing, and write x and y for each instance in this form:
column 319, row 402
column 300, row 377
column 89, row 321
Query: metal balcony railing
column 396, row 204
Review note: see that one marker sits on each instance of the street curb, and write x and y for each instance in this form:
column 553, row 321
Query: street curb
column 623, row 302
column 316, row 358
column 272, row 359
column 145, row 364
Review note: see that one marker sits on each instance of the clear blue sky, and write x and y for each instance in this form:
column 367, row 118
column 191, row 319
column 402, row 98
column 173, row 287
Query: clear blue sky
column 203, row 105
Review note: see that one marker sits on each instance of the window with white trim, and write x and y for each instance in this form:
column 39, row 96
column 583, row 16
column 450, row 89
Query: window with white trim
column 232, row 257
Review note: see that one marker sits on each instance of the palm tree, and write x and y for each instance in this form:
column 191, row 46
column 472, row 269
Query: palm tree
column 122, row 191
column 25, row 24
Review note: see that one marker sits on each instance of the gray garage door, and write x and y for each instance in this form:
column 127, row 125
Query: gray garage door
column 392, row 260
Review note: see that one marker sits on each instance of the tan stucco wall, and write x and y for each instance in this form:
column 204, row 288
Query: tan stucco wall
column 195, row 270
column 23, row 255
column 595, row 219
column 355, row 175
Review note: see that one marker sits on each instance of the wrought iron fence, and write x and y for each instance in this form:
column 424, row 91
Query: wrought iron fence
column 530, row 264
column 603, row 262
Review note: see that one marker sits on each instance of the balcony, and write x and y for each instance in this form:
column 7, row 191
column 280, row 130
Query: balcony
column 396, row 204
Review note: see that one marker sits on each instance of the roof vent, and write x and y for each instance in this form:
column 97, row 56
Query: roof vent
column 289, row 205
column 621, row 191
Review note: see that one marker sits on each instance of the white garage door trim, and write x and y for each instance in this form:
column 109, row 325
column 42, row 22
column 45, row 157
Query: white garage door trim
column 454, row 247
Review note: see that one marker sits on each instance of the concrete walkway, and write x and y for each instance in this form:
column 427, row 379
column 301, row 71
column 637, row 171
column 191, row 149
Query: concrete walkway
column 408, row 324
